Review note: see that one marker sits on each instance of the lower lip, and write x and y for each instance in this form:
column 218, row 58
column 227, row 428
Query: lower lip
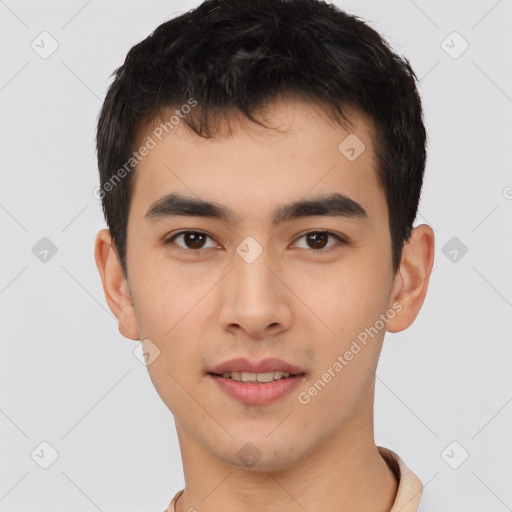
column 257, row 393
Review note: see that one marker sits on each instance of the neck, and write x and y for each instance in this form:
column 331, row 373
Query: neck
column 344, row 472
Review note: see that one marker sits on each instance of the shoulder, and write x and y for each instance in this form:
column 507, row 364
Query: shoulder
column 410, row 488
column 172, row 504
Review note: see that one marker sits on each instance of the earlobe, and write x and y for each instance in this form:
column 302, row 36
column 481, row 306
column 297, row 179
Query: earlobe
column 115, row 286
column 411, row 281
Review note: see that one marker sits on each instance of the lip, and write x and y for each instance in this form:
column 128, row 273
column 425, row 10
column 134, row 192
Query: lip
column 269, row 364
column 258, row 393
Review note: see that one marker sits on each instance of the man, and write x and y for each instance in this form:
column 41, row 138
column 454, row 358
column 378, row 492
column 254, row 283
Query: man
column 261, row 164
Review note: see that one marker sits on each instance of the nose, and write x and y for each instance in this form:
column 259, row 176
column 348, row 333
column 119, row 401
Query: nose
column 255, row 299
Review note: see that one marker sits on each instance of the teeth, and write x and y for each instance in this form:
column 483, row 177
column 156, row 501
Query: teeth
column 250, row 377
column 255, row 377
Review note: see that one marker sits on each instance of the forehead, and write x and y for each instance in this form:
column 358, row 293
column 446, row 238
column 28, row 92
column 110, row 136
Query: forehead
column 252, row 167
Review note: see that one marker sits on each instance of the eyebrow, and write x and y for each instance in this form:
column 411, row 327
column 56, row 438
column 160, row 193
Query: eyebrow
column 332, row 205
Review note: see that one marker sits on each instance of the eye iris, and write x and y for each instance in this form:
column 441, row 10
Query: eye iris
column 319, row 239
column 196, row 239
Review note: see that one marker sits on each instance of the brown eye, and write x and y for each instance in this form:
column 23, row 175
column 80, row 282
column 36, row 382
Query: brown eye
column 192, row 240
column 319, row 239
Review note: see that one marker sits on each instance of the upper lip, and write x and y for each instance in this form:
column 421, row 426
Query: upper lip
column 270, row 364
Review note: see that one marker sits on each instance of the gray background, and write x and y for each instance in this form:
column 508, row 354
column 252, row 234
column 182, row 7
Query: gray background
column 70, row 379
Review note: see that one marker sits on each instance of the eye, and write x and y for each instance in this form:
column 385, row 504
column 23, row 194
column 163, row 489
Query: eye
column 318, row 240
column 192, row 240
column 196, row 240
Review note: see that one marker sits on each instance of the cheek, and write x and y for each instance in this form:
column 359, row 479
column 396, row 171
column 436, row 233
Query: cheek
column 347, row 296
column 170, row 311
column 350, row 304
column 166, row 296
column 349, row 301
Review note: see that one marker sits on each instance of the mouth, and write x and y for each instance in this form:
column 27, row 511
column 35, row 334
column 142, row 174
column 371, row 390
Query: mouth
column 257, row 383
column 257, row 378
column 266, row 370
column 257, row 388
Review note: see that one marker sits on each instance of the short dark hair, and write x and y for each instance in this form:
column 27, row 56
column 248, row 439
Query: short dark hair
column 235, row 56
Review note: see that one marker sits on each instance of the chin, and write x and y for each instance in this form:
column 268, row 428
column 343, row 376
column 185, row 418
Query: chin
column 260, row 454
column 275, row 463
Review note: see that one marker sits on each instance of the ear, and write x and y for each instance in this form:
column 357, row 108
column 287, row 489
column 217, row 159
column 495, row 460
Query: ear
column 115, row 286
column 411, row 281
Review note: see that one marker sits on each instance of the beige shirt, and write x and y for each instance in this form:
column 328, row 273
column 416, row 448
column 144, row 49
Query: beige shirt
column 409, row 491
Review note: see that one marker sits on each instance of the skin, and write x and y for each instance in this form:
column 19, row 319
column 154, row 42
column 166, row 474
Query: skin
column 204, row 306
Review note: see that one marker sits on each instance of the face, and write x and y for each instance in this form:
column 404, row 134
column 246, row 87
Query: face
column 290, row 259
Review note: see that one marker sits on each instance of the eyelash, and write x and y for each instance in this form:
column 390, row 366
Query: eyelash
column 170, row 240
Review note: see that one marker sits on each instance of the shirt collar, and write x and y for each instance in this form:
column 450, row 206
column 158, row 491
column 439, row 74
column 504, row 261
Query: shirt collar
column 410, row 488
